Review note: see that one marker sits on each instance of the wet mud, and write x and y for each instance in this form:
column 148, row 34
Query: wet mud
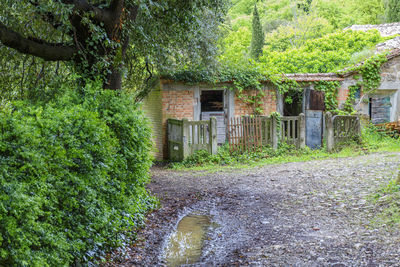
column 296, row 214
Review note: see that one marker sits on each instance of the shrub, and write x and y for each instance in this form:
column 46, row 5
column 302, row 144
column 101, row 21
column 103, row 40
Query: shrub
column 225, row 157
column 72, row 177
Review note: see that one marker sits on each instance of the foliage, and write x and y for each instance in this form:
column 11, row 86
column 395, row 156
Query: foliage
column 112, row 38
column 370, row 71
column 247, row 80
column 327, row 54
column 351, row 98
column 225, row 157
column 331, row 90
column 294, row 35
column 72, row 175
column 288, row 27
column 374, row 139
column 235, row 46
column 257, row 36
column 388, row 199
column 368, row 11
column 392, row 11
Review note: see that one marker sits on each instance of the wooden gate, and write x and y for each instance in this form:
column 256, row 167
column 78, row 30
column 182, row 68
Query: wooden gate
column 186, row 137
column 245, row 133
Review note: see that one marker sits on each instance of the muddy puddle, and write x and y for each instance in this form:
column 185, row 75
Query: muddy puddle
column 186, row 243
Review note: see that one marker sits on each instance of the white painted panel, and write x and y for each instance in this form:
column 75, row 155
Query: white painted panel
column 221, row 129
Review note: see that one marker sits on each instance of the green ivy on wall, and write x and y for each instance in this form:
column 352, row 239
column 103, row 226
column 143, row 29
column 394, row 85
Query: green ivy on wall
column 252, row 75
column 370, row 71
column 331, row 89
column 243, row 79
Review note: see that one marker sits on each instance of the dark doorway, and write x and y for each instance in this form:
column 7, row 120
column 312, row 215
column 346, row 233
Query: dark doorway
column 212, row 101
column 293, row 103
column 212, row 105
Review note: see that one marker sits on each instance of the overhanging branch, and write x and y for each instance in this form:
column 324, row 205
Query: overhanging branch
column 100, row 15
column 35, row 47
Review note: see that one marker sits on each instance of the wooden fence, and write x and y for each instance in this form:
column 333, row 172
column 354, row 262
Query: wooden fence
column 251, row 133
column 186, row 137
column 341, row 129
column 293, row 130
column 245, row 133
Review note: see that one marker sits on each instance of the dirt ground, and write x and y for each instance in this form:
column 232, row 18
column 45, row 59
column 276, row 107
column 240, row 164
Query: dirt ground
column 314, row 213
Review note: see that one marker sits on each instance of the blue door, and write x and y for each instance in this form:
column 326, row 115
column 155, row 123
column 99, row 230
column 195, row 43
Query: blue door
column 314, row 128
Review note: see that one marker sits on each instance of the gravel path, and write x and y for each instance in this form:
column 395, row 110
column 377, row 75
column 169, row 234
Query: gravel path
column 296, row 214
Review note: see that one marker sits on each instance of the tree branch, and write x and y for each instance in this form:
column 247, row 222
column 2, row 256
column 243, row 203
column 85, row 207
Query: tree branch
column 47, row 16
column 100, row 15
column 35, row 47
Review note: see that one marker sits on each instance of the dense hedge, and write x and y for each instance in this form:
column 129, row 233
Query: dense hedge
column 72, row 175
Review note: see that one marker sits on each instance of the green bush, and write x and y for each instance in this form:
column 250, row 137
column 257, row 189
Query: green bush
column 72, row 175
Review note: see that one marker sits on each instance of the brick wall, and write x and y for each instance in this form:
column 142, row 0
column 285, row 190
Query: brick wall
column 342, row 95
column 177, row 104
column 269, row 105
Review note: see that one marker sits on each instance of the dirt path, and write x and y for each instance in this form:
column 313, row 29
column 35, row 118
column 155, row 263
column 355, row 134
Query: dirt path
column 296, row 214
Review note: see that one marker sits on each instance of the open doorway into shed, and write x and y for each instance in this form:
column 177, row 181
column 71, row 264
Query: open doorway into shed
column 293, row 103
column 212, row 105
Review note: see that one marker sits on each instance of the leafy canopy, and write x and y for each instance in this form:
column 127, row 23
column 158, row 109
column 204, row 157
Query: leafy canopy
column 112, row 38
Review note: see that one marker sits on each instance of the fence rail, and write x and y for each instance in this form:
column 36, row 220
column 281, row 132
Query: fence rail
column 251, row 133
column 292, row 128
column 245, row 133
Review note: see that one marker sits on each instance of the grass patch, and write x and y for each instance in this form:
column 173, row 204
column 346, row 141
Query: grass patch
column 371, row 141
column 387, row 201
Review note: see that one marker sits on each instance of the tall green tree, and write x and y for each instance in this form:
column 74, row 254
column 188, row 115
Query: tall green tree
column 257, row 37
column 393, row 11
column 108, row 38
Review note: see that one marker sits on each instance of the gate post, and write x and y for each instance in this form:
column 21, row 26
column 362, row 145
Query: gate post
column 329, row 132
column 185, row 138
column 213, row 135
column 274, row 134
column 302, row 131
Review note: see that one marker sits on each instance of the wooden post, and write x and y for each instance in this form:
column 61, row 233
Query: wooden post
column 302, row 131
column 274, row 133
column 264, row 131
column 185, row 139
column 213, row 135
column 329, row 132
column 359, row 125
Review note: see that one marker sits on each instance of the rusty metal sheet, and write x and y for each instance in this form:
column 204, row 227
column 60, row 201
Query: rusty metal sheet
column 316, row 100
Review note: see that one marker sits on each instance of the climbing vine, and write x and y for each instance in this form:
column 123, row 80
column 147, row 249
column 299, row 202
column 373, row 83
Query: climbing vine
column 247, row 82
column 370, row 71
column 331, row 89
column 351, row 99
